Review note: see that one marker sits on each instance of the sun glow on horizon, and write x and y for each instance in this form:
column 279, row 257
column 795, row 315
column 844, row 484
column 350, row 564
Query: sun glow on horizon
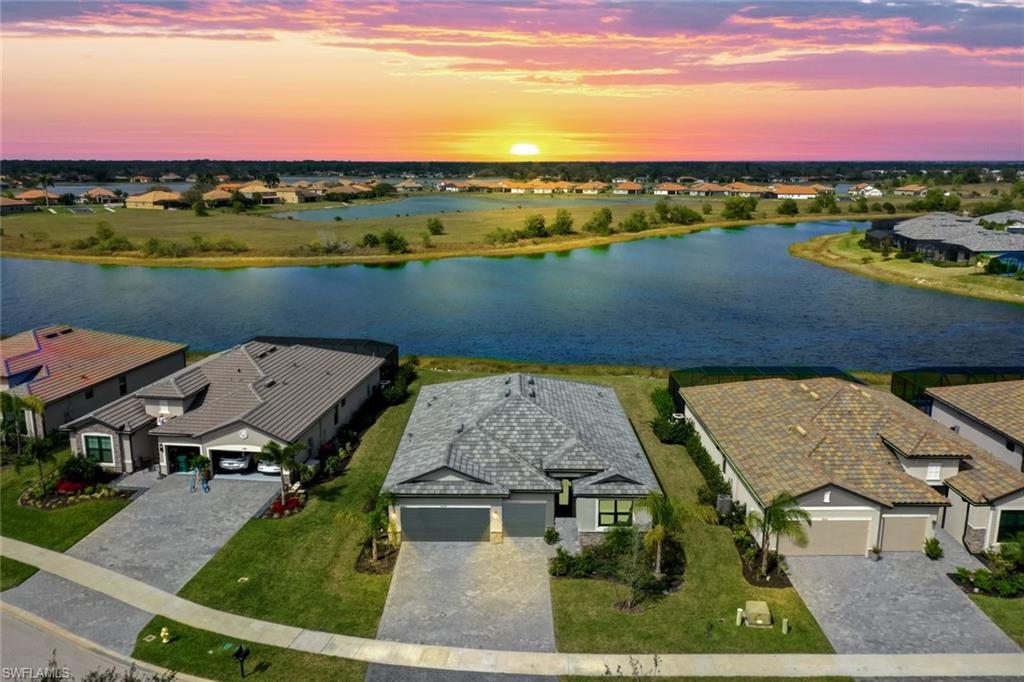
column 524, row 149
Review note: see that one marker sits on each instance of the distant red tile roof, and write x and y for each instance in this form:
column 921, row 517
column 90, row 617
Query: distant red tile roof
column 71, row 358
column 32, row 194
column 4, row 201
column 99, row 192
column 629, row 185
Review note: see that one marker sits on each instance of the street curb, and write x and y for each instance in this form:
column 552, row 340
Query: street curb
column 114, row 657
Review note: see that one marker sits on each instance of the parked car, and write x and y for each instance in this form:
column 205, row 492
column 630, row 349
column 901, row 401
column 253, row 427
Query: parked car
column 268, row 468
column 239, row 462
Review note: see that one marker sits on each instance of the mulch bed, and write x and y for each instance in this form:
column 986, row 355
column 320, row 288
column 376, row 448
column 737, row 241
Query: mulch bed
column 60, row 501
column 294, row 503
column 967, row 588
column 387, row 555
column 776, row 577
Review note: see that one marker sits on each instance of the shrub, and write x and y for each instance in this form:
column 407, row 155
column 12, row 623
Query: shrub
column 788, row 207
column 534, row 227
column 500, row 236
column 635, row 222
column 370, row 241
column 435, row 226
column 80, row 470
column 600, row 222
column 671, row 431
column 916, row 257
column 563, row 222
column 393, row 242
column 663, row 403
column 551, row 536
column 716, row 483
column 739, row 208
column 396, row 392
column 334, row 465
column 932, row 549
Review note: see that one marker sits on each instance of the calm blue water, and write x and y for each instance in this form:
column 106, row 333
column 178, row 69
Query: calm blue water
column 421, row 204
column 715, row 297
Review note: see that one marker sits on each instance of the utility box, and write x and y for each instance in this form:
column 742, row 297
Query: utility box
column 757, row 615
column 724, row 505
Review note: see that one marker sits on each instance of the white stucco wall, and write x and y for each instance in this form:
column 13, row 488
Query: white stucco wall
column 918, row 468
column 979, row 434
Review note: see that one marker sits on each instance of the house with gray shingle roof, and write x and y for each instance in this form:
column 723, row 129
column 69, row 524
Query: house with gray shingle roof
column 230, row 404
column 504, row 455
column 959, row 239
column 870, row 469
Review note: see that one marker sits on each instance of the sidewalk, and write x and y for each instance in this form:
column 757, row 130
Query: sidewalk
column 159, row 602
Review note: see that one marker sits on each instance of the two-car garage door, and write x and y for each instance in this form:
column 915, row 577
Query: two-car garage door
column 830, row 537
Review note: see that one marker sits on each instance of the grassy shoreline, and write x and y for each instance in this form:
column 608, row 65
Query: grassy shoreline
column 841, row 251
column 533, row 247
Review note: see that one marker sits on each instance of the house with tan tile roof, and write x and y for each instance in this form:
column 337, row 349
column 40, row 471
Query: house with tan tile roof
column 100, row 195
column 155, row 200
column 668, row 188
column 870, row 469
column 627, row 187
column 990, row 415
column 74, row 370
column 592, row 187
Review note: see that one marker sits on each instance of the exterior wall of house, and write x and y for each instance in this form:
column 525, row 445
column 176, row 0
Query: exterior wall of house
column 77, row 441
column 842, row 505
column 1012, row 503
column 324, row 429
column 976, row 526
column 740, row 492
column 979, row 434
column 586, row 519
column 72, row 407
column 918, row 468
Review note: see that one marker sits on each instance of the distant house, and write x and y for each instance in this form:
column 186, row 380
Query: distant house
column 294, row 195
column 744, row 189
column 171, row 177
column 957, row 239
column 990, row 415
column 8, row 206
column 863, row 189
column 869, row 469
column 627, row 187
column 707, row 189
column 454, row 186
column 592, row 187
column 911, row 191
column 100, row 195
column 503, row 456
column 74, row 370
column 217, row 197
column 668, row 188
column 409, row 185
column 140, row 179
column 231, row 404
column 37, row 196
column 791, row 192
column 223, row 177
column 155, row 200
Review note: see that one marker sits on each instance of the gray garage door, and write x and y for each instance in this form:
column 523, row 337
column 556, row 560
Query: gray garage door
column 524, row 519
column 446, row 524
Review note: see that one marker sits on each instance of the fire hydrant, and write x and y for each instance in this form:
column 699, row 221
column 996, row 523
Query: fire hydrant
column 165, row 635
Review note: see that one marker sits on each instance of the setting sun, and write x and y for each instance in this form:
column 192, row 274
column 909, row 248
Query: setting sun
column 524, row 149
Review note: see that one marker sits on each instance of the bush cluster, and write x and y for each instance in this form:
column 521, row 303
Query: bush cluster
column 665, row 427
column 390, row 240
column 80, row 470
column 163, row 248
column 610, row 559
column 104, row 241
column 398, row 390
column 676, row 213
column 1005, row 573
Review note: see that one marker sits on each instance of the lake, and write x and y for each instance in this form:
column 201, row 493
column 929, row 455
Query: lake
column 456, row 202
column 715, row 297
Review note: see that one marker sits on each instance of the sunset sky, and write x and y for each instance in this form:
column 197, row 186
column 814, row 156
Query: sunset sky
column 460, row 80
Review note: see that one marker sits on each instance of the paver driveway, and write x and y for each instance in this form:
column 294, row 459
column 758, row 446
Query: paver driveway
column 162, row 538
column 903, row 603
column 477, row 595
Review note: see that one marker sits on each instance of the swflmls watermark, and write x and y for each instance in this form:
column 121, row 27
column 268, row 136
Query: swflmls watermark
column 8, row 672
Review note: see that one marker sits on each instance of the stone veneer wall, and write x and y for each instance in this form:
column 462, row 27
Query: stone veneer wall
column 974, row 539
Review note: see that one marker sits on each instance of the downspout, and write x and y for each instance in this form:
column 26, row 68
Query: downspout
column 878, row 533
column 963, row 537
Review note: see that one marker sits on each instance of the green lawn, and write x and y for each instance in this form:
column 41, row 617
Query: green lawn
column 207, row 654
column 1008, row 614
column 700, row 616
column 56, row 529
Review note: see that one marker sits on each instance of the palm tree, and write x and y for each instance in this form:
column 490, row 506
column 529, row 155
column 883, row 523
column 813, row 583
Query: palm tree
column 666, row 519
column 46, row 180
column 783, row 517
column 36, row 450
column 11, row 416
column 284, row 457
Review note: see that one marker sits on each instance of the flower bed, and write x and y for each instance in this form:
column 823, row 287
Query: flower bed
column 65, row 494
column 293, row 504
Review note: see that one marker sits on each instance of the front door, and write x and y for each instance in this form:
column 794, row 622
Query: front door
column 565, row 504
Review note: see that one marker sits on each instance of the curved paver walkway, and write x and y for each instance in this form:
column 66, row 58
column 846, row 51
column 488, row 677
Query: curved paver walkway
column 159, row 602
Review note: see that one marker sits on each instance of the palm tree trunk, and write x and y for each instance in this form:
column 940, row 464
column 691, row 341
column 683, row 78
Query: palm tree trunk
column 284, row 488
column 764, row 553
column 42, row 478
column 657, row 559
column 373, row 547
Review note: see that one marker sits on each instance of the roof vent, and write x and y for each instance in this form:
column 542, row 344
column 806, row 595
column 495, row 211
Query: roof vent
column 409, row 435
column 533, row 394
column 530, row 381
column 508, row 380
column 865, row 394
column 66, row 331
column 508, row 392
column 270, row 384
column 462, row 427
column 801, row 430
column 814, row 395
column 52, row 335
column 803, row 386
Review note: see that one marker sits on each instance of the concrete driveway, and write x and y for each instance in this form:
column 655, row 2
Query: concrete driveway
column 162, row 538
column 903, row 603
column 477, row 595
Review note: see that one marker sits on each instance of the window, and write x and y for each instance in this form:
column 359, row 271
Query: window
column 614, row 512
column 335, row 415
column 122, row 384
column 934, row 472
column 1010, row 523
column 99, row 449
column 828, row 497
column 88, row 393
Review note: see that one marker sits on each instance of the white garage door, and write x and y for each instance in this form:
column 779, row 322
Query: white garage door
column 903, row 533
column 830, row 537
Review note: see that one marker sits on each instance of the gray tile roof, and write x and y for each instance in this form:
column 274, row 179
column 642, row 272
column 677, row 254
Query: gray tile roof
column 505, row 433
column 962, row 231
column 280, row 391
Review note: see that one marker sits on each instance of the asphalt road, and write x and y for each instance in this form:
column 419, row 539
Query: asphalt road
column 23, row 646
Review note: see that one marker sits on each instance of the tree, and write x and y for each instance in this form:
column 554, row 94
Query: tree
column 271, row 179
column 12, row 417
column 600, row 222
column 562, row 223
column 36, row 451
column 377, row 521
column 788, row 207
column 635, row 222
column 666, row 519
column 888, row 208
column 393, row 242
column 435, row 226
column 369, row 241
column 284, row 457
column 200, row 208
column 534, row 227
column 783, row 517
column 46, row 180
column 191, row 195
column 739, row 208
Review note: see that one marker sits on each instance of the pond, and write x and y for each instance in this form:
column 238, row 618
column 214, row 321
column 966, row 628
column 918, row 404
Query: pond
column 715, row 297
column 454, row 202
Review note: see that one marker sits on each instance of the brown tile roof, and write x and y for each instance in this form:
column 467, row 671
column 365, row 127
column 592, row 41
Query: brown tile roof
column 98, row 192
column 5, row 201
column 629, row 185
column 796, row 436
column 71, row 359
column 34, row 194
column 999, row 405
